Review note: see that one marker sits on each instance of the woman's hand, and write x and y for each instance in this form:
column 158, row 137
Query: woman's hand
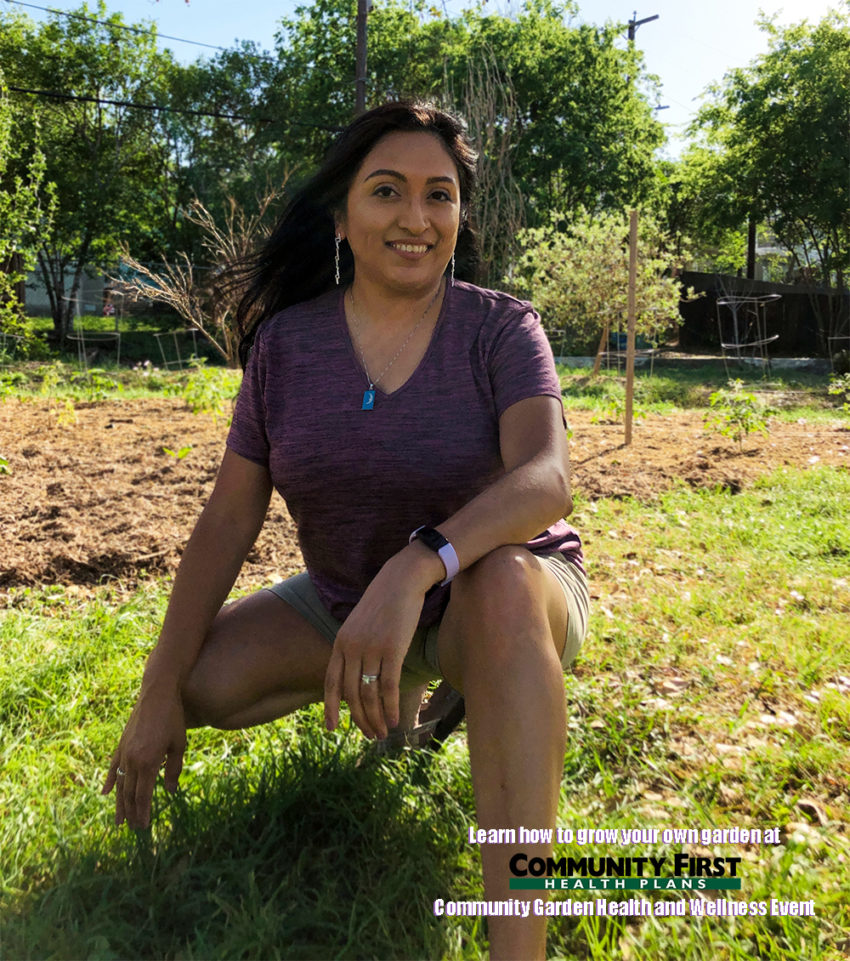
column 374, row 640
column 155, row 732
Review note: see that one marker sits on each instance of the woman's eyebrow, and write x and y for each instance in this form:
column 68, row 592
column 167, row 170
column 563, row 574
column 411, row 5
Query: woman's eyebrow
column 400, row 176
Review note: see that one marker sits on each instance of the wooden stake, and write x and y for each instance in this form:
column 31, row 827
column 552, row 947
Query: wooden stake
column 630, row 337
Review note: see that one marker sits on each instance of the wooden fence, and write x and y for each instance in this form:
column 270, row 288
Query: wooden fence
column 799, row 317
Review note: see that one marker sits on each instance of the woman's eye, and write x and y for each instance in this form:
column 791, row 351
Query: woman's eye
column 385, row 190
column 442, row 195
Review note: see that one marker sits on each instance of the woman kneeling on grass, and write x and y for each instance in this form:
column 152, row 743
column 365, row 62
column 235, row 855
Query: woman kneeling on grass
column 413, row 425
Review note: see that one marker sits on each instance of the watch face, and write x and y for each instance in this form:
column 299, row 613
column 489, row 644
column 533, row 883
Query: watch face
column 431, row 538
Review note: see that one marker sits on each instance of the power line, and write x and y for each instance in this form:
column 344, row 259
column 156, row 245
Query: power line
column 157, row 35
column 56, row 95
column 124, row 26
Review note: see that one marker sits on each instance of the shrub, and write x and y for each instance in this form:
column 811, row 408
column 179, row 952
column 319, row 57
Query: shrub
column 736, row 413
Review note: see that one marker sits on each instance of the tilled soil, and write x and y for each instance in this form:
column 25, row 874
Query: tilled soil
column 92, row 496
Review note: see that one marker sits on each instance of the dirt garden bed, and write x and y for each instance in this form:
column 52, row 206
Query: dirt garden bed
column 97, row 498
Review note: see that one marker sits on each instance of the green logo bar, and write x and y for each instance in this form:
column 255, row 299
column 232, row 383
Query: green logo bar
column 625, row 884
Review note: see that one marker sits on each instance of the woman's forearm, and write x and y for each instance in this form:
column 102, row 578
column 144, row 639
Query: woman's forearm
column 533, row 493
column 513, row 510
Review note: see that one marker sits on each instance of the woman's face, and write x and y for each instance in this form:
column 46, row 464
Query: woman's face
column 403, row 213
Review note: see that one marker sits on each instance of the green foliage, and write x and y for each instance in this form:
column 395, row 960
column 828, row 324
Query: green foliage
column 51, row 376
column 577, row 275
column 585, row 131
column 56, row 380
column 94, row 384
column 4, row 466
column 615, row 413
column 207, row 390
column 218, row 160
column 840, row 385
column 24, row 212
column 105, row 161
column 736, row 413
column 10, row 382
column 775, row 149
column 178, row 454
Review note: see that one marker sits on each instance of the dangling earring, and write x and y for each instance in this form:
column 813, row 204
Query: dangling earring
column 337, row 240
column 453, row 270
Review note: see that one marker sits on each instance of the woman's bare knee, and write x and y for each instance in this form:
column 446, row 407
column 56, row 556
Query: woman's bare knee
column 502, row 612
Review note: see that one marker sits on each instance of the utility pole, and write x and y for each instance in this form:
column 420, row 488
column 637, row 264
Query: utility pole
column 363, row 8
column 634, row 23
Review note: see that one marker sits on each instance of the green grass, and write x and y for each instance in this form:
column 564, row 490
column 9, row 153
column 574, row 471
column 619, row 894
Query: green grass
column 288, row 842
column 792, row 394
column 204, row 388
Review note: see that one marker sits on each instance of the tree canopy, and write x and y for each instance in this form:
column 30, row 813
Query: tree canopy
column 25, row 211
column 572, row 124
column 774, row 147
column 104, row 157
column 586, row 132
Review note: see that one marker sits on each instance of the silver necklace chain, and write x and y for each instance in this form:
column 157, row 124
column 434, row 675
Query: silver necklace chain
column 356, row 332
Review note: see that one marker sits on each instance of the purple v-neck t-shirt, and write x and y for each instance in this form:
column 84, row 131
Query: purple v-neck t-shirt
column 357, row 482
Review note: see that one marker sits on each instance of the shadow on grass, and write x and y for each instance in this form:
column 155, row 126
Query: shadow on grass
column 325, row 852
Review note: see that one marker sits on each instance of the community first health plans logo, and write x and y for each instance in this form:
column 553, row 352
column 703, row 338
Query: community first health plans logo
column 593, row 876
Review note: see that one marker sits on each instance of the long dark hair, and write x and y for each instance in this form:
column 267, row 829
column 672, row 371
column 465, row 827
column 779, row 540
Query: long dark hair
column 296, row 263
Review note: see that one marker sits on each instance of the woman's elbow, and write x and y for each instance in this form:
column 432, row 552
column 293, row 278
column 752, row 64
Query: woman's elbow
column 559, row 491
column 565, row 495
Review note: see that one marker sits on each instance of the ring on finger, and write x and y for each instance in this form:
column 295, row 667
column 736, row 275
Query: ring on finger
column 369, row 678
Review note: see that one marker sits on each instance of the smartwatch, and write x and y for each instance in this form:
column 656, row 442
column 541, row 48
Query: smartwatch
column 434, row 540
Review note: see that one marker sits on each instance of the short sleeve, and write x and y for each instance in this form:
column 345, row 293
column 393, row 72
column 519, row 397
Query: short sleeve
column 248, row 436
column 520, row 361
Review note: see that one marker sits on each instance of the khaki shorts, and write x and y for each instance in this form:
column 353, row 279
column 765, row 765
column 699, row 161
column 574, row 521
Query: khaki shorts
column 421, row 663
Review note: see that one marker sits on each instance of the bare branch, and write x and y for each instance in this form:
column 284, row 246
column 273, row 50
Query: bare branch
column 194, row 292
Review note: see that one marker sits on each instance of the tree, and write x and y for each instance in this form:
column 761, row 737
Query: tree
column 205, row 298
column 775, row 149
column 587, row 132
column 577, row 275
column 104, row 156
column 25, row 210
column 581, row 128
column 226, row 135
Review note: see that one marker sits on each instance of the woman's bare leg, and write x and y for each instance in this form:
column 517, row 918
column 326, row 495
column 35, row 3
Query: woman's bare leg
column 497, row 645
column 260, row 661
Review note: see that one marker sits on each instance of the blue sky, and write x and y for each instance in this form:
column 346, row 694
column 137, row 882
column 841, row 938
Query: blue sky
column 691, row 45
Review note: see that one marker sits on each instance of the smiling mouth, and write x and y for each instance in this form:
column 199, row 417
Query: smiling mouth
column 410, row 248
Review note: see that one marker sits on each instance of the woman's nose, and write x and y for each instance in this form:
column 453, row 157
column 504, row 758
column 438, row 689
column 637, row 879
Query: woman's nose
column 413, row 216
